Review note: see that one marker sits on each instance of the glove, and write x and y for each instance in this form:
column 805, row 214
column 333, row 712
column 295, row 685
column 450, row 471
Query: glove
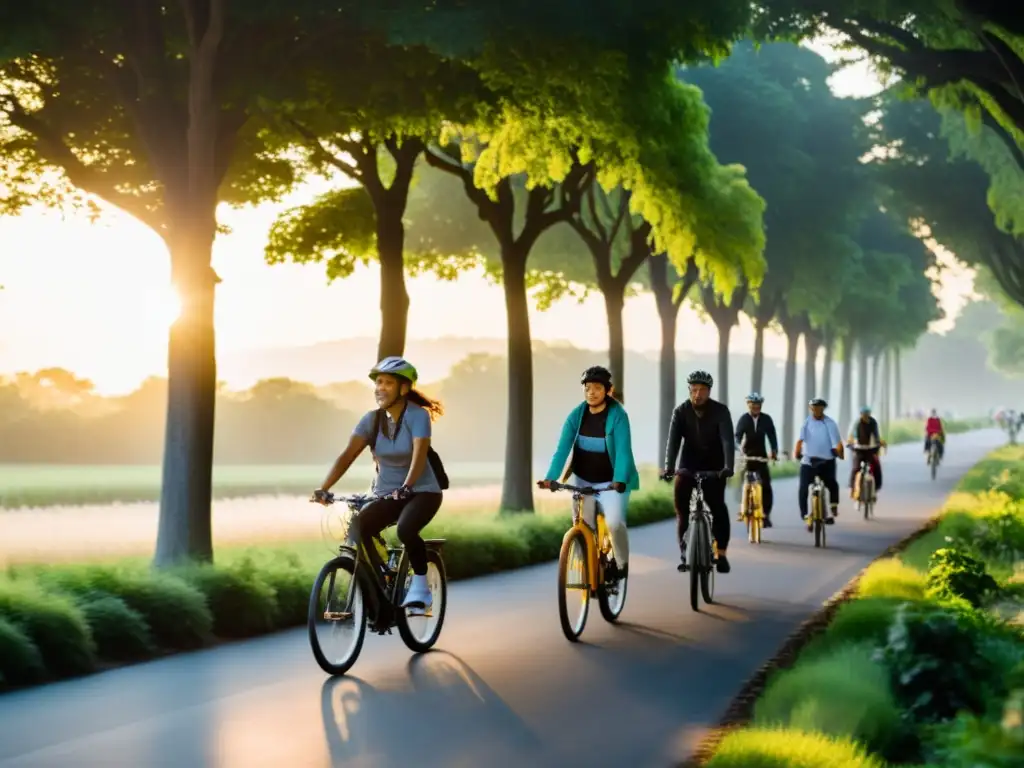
column 725, row 474
column 619, row 487
column 403, row 493
column 320, row 496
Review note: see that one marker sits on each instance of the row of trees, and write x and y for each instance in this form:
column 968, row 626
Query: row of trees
column 543, row 116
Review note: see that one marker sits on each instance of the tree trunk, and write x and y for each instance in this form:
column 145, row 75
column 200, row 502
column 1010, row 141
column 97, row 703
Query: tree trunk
column 899, row 384
column 883, row 391
column 862, row 376
column 722, row 385
column 826, row 366
column 876, row 366
column 394, row 299
column 845, row 404
column 812, row 343
column 789, row 391
column 757, row 369
column 614, row 303
column 517, row 487
column 668, row 315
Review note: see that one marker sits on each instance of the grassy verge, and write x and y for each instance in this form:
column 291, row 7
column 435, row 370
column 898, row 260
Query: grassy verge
column 924, row 665
column 64, row 621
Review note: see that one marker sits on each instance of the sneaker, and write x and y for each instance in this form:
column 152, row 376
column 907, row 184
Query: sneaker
column 419, row 598
column 682, row 565
column 723, row 563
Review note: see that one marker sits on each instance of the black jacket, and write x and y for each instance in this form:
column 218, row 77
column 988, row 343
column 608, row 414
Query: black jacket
column 755, row 436
column 707, row 440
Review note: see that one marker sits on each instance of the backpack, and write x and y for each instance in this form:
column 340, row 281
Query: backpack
column 436, row 465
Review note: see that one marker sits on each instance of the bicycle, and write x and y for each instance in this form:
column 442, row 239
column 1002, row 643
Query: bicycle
column 589, row 547
column 933, row 456
column 753, row 499
column 867, row 496
column 375, row 594
column 817, row 506
column 699, row 542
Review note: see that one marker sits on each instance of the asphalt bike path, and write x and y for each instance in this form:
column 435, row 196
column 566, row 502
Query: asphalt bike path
column 503, row 686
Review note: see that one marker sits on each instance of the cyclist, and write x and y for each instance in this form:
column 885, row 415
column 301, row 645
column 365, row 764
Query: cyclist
column 864, row 431
column 934, row 430
column 751, row 430
column 703, row 427
column 819, row 439
column 404, row 476
column 597, row 447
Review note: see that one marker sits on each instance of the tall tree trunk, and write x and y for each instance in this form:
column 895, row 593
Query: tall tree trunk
column 845, row 404
column 883, row 390
column 863, row 375
column 876, row 369
column 668, row 304
column 517, row 487
column 789, row 390
column 394, row 298
column 184, row 531
column 757, row 369
column 899, row 383
column 812, row 343
column 724, row 316
column 614, row 304
column 722, row 385
column 829, row 343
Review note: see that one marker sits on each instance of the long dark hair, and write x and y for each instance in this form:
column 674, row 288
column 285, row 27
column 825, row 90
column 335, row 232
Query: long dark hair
column 433, row 407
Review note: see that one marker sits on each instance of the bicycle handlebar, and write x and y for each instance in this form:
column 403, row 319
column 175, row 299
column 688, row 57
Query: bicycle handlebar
column 356, row 498
column 763, row 459
column 856, row 447
column 696, row 475
column 586, row 490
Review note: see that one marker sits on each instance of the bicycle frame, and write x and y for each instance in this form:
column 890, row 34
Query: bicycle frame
column 752, row 478
column 597, row 537
column 701, row 512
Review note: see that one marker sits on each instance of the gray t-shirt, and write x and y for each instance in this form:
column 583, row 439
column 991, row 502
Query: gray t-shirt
column 395, row 456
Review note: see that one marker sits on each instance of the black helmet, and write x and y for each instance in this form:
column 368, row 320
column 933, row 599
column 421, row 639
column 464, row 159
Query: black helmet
column 819, row 401
column 701, row 377
column 755, row 397
column 597, row 374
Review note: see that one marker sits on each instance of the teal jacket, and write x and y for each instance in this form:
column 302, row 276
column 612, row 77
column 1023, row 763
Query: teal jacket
column 617, row 438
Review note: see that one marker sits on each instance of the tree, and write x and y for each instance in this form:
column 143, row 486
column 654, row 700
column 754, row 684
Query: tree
column 1005, row 342
column 148, row 107
column 724, row 313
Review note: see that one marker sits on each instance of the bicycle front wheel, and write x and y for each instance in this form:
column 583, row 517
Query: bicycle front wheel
column 337, row 616
column 573, row 585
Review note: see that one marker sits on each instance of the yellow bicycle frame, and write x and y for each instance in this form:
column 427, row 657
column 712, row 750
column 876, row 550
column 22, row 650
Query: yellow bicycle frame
column 753, row 492
column 592, row 537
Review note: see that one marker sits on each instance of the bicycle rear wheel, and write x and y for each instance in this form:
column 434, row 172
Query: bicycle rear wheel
column 611, row 599
column 818, row 520
column 420, row 632
column 573, row 577
column 328, row 621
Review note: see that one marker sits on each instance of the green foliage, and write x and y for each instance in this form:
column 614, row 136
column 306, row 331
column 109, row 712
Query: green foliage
column 240, row 600
column 892, row 578
column 954, row 574
column 121, row 634
column 843, row 694
column 20, row 660
column 54, row 624
column 789, row 748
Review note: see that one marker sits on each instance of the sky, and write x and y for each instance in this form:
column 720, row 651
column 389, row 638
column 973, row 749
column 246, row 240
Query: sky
column 96, row 297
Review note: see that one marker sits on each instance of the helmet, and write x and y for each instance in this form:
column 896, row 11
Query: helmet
column 755, row 397
column 700, row 377
column 865, row 409
column 818, row 401
column 597, row 374
column 395, row 366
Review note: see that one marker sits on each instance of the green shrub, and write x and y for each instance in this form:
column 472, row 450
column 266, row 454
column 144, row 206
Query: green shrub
column 865, row 621
column 54, row 624
column 292, row 585
column 844, row 693
column 20, row 660
column 121, row 634
column 175, row 611
column 892, row 578
column 242, row 603
column 788, row 748
column 953, row 573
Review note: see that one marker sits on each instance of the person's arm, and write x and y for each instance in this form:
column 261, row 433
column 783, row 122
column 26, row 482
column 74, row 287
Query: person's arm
column 624, row 463
column 769, row 429
column 419, row 426
column 565, row 442
column 741, row 428
column 356, row 443
column 798, row 449
column 728, row 441
column 675, row 439
column 837, row 440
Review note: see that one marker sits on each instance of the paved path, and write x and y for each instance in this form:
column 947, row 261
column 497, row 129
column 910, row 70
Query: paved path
column 505, row 688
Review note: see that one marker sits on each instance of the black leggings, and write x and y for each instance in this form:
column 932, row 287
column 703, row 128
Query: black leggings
column 714, row 497
column 412, row 515
column 827, row 472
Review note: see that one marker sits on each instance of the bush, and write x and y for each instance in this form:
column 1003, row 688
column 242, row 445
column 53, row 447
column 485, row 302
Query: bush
column 242, row 603
column 954, row 574
column 845, row 693
column 891, row 578
column 121, row 634
column 54, row 624
column 864, row 621
column 20, row 660
column 788, row 748
column 292, row 585
column 176, row 612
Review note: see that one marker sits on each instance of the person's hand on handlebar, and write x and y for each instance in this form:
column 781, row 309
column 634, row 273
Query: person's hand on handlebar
column 726, row 473
column 545, row 484
column 773, row 456
column 668, row 474
column 619, row 487
column 320, row 496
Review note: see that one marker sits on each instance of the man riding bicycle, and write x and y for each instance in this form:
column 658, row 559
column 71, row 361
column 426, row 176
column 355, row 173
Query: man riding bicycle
column 752, row 429
column 703, row 427
column 933, row 430
column 864, row 431
column 817, row 449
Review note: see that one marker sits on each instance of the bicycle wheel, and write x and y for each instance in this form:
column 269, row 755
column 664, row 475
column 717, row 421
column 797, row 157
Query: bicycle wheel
column 695, row 559
column 707, row 579
column 934, row 461
column 611, row 599
column 327, row 620
column 420, row 632
column 817, row 516
column 573, row 575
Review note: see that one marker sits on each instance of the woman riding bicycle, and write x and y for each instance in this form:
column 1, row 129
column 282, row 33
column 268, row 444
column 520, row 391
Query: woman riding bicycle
column 412, row 494
column 597, row 435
